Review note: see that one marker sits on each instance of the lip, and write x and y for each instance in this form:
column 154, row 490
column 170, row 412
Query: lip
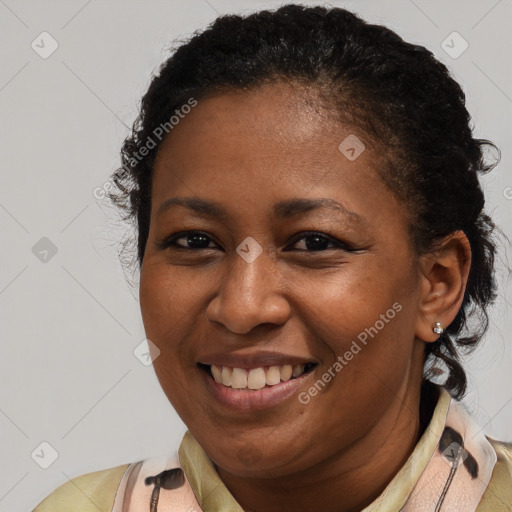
column 254, row 359
column 255, row 400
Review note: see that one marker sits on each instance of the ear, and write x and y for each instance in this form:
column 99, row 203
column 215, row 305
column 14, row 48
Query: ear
column 443, row 277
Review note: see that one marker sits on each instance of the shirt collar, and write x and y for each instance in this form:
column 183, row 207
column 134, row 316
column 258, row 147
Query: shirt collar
column 213, row 495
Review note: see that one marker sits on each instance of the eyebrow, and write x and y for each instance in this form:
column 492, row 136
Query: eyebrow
column 282, row 209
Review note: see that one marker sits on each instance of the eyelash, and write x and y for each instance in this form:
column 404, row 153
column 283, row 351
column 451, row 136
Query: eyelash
column 170, row 242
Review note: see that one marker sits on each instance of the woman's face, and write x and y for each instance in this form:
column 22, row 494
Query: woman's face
column 254, row 290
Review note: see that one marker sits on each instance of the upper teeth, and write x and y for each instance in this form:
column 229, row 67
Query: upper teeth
column 255, row 378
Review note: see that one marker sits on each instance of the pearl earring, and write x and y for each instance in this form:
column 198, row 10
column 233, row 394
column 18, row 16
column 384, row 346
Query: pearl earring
column 438, row 328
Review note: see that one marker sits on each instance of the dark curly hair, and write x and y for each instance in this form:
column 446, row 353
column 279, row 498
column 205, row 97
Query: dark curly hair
column 396, row 93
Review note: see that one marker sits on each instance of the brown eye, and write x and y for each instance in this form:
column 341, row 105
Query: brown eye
column 315, row 242
column 197, row 240
column 193, row 240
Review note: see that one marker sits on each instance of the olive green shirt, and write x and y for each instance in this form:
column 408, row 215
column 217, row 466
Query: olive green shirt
column 95, row 492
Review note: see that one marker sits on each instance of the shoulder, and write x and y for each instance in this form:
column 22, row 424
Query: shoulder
column 91, row 492
column 498, row 495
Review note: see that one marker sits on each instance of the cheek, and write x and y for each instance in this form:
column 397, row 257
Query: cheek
column 172, row 302
column 165, row 314
column 166, row 299
column 366, row 326
column 365, row 315
column 350, row 299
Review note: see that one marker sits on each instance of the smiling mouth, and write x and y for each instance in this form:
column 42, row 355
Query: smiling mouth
column 255, row 378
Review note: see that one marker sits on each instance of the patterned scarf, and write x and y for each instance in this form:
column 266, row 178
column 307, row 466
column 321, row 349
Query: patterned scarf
column 454, row 479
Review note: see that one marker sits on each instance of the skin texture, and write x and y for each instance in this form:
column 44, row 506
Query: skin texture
column 247, row 150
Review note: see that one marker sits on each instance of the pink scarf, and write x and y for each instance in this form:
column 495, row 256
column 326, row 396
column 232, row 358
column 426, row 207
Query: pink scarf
column 454, row 479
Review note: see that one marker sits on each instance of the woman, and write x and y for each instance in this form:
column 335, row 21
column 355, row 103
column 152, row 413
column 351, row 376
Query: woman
column 312, row 245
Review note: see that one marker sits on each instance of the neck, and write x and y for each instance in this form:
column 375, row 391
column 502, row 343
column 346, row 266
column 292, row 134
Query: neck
column 329, row 486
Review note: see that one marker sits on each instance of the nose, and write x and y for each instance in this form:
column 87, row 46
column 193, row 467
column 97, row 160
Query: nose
column 249, row 295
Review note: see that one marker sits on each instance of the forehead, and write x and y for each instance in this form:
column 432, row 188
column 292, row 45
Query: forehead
column 263, row 145
column 274, row 127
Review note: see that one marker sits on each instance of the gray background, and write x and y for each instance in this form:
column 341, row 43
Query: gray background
column 69, row 325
